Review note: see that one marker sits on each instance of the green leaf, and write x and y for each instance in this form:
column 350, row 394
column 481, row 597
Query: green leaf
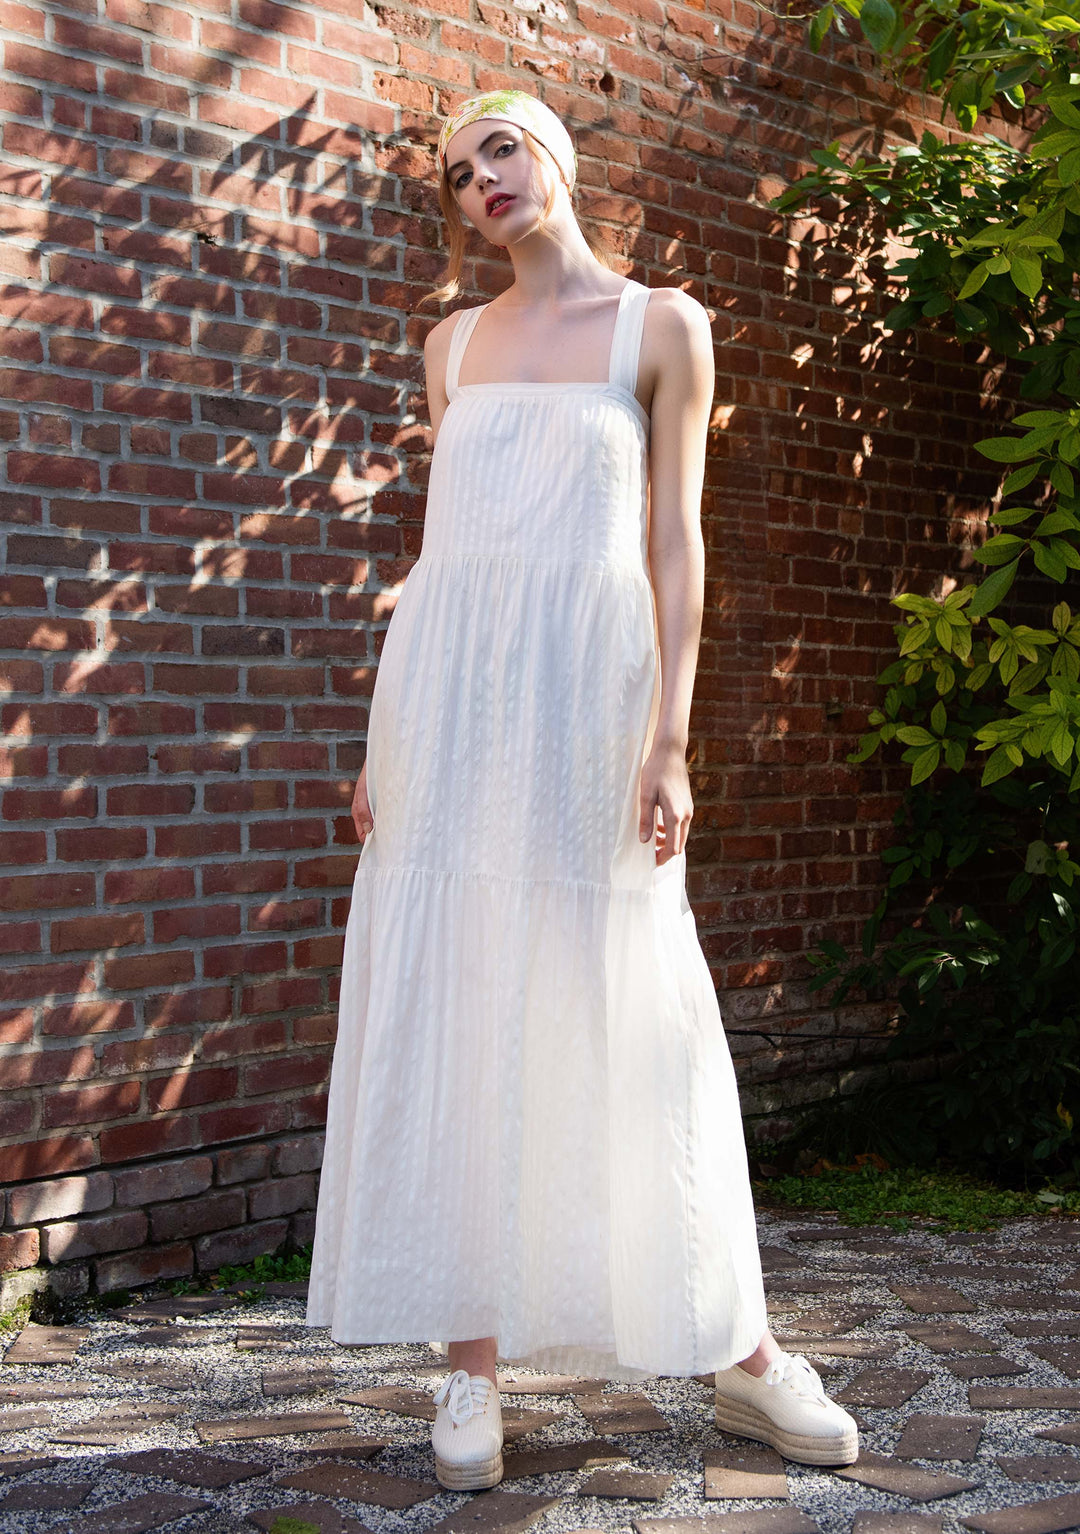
column 998, row 765
column 1062, row 744
column 916, row 635
column 1049, row 562
column 1028, row 677
column 1062, row 106
column 1004, row 449
column 943, row 633
column 879, row 22
column 993, row 590
column 868, row 744
column 925, row 764
column 941, row 54
column 1069, row 446
column 902, row 317
column 915, row 735
column 1007, row 79
column 1066, row 552
column 819, row 26
column 977, row 677
column 975, row 279
column 954, row 755
column 1055, row 522
column 1034, row 418
column 1009, row 516
column 970, row 316
column 1061, row 477
column 995, row 551
column 1019, row 479
column 910, row 601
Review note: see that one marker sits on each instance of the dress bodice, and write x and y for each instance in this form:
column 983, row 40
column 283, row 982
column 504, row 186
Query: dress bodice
column 550, row 472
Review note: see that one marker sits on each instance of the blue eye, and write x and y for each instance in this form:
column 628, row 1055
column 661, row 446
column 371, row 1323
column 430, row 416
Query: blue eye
column 508, row 144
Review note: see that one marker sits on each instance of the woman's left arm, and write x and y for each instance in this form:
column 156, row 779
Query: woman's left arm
column 680, row 341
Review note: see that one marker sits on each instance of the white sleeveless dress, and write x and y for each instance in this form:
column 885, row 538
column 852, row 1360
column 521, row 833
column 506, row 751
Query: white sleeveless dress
column 534, row 1128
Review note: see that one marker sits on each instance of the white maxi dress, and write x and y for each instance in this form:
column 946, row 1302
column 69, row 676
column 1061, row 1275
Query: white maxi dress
column 534, row 1128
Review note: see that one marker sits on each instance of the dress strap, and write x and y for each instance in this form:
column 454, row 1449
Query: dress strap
column 463, row 329
column 626, row 342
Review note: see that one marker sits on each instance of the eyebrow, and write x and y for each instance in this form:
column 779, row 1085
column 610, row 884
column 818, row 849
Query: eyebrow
column 451, row 169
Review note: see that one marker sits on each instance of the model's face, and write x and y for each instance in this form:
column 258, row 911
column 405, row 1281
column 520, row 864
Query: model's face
column 488, row 160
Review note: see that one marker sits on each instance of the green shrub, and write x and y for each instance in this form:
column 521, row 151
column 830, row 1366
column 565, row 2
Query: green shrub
column 982, row 705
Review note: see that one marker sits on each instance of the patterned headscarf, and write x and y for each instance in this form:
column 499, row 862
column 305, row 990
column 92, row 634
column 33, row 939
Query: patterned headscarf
column 525, row 110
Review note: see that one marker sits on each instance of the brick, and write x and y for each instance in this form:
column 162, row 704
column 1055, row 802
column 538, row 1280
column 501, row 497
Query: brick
column 242, row 1163
column 59, row 1197
column 393, row 1491
column 241, row 1246
column 303, row 1154
column 88, row 1238
column 242, row 1122
column 138, row 1514
column 1046, row 1516
column 285, row 1195
column 18, row 1249
column 37, row 1344
column 905, row 1480
column 186, row 1089
column 91, row 1105
column 141, row 1185
column 152, row 1264
column 42, row 1158
column 284, row 1424
column 194, row 1217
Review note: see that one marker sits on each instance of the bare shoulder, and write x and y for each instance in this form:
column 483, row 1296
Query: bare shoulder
column 438, row 337
column 677, row 319
column 676, row 344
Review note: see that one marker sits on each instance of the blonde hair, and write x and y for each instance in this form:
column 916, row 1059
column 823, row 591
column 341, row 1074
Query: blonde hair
column 451, row 285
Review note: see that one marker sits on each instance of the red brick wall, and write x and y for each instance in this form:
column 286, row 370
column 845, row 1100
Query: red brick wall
column 213, row 454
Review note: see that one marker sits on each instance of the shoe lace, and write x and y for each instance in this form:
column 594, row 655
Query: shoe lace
column 463, row 1394
column 794, row 1370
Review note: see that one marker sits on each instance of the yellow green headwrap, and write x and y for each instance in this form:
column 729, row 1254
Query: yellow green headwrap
column 525, row 110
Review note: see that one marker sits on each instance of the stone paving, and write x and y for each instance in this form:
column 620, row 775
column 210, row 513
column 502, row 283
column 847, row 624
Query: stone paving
column 957, row 1353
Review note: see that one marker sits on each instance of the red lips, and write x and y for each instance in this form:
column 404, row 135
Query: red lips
column 496, row 197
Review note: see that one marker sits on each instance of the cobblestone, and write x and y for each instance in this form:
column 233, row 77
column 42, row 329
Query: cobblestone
column 146, row 1417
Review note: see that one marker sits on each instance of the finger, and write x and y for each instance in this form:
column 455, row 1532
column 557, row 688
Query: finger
column 669, row 819
column 684, row 832
column 647, row 823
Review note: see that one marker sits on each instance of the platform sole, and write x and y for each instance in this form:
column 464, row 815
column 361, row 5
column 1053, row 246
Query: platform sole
column 471, row 1477
column 804, row 1448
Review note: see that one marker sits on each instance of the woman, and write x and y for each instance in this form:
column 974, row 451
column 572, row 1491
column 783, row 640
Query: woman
column 534, row 1143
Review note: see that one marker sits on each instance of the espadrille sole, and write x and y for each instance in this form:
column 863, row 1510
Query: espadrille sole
column 804, row 1448
column 470, row 1477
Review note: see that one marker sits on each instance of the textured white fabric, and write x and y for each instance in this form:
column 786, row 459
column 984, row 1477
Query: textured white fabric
column 534, row 1127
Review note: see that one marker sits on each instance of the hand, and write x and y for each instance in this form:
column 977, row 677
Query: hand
column 665, row 786
column 363, row 819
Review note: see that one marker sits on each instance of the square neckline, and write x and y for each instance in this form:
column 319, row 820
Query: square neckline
column 600, row 385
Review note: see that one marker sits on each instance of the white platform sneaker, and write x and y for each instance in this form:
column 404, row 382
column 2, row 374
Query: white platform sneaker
column 787, row 1407
column 467, row 1435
